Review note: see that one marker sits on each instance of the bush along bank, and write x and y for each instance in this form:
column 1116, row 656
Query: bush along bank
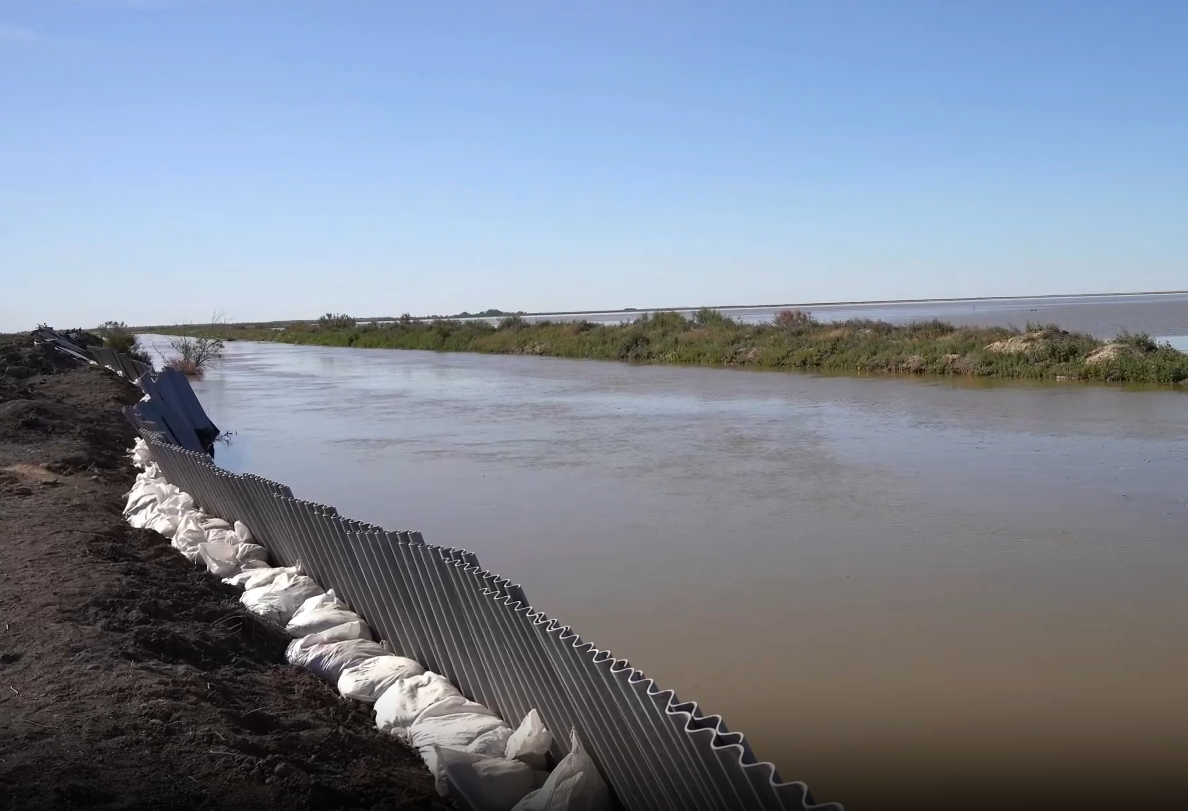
column 471, row 752
column 794, row 341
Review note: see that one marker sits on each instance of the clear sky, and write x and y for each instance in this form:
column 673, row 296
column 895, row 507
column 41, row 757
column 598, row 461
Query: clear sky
column 162, row 159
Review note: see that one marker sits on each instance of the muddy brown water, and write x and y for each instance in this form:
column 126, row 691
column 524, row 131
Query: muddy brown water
column 905, row 593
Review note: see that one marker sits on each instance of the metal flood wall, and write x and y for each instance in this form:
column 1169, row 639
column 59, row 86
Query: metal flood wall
column 170, row 407
column 439, row 606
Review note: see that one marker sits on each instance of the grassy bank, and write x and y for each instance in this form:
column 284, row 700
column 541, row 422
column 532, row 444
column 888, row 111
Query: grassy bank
column 794, row 341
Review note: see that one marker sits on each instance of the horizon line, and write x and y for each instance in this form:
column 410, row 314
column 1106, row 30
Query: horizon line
column 855, row 302
column 728, row 307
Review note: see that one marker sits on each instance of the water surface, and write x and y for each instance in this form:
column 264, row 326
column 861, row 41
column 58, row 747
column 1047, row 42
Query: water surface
column 930, row 593
column 1157, row 314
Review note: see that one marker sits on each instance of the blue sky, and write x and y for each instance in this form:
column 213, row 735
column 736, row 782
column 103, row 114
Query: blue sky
column 162, row 159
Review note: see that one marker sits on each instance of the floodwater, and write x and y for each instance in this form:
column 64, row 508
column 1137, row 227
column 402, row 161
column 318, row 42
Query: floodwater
column 928, row 594
column 1158, row 314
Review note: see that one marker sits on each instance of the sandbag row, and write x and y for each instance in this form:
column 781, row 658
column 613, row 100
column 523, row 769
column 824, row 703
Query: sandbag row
column 493, row 767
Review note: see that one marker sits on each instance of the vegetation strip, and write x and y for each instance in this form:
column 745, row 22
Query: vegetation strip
column 794, row 340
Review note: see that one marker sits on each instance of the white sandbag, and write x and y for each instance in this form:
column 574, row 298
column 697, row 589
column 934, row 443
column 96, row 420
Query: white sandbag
column 454, row 731
column 226, row 560
column 340, row 633
column 219, row 558
column 141, row 518
column 297, row 588
column 321, row 619
column 254, row 579
column 148, row 473
column 142, row 496
column 151, row 472
column 493, row 743
column 168, row 513
column 177, row 503
column 163, row 523
column 575, row 785
column 367, row 680
column 221, row 535
column 327, row 661
column 456, row 722
column 280, row 599
column 327, row 600
column 228, row 534
column 189, row 535
column 329, row 653
column 486, row 783
column 531, row 741
column 143, row 501
column 451, row 705
column 321, row 613
column 209, row 522
column 150, row 481
column 404, row 701
column 141, row 455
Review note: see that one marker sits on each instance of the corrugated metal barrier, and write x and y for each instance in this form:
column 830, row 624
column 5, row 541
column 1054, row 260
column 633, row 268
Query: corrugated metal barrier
column 439, row 606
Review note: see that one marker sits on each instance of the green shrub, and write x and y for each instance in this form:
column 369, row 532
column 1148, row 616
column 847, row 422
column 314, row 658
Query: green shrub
column 793, row 318
column 336, row 321
column 117, row 335
column 709, row 317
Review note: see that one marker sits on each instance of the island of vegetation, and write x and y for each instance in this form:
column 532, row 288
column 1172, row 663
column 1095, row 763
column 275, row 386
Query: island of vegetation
column 793, row 340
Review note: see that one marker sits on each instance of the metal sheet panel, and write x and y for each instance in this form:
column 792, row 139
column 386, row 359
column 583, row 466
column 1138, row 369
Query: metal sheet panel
column 436, row 605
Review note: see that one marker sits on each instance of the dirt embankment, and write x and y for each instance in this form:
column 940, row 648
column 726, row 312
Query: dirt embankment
column 128, row 678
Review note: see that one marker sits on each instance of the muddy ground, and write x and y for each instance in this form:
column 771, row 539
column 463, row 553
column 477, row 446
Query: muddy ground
column 129, row 678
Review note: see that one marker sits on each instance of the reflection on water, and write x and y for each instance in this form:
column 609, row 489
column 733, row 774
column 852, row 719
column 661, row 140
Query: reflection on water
column 900, row 590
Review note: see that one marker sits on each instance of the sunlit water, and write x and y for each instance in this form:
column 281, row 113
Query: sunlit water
column 902, row 591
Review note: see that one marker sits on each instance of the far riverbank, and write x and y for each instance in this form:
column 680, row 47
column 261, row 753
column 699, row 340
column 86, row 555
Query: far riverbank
column 794, row 340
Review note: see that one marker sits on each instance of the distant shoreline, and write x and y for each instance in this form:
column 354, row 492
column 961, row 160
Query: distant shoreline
column 725, row 308
column 793, row 340
column 802, row 305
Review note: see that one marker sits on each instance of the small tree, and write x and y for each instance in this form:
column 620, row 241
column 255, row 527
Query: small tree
column 117, row 336
column 794, row 318
column 196, row 352
column 1139, row 340
column 336, row 322
column 709, row 317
